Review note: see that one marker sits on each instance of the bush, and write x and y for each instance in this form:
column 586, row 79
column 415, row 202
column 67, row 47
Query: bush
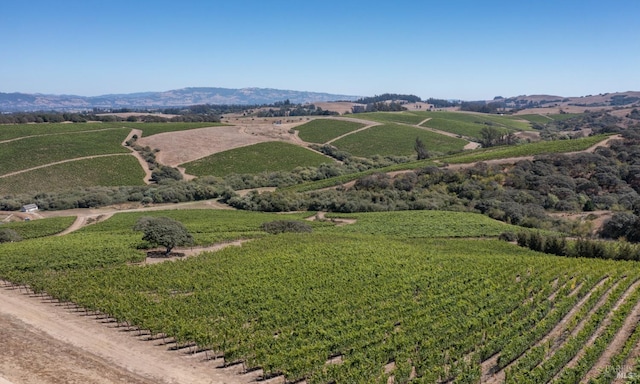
column 282, row 226
column 8, row 235
column 508, row 236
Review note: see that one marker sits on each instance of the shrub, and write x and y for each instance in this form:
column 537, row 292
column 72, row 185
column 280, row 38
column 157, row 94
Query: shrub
column 8, row 235
column 281, row 226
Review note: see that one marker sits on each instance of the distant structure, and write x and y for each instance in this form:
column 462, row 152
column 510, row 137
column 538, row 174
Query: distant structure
column 29, row 208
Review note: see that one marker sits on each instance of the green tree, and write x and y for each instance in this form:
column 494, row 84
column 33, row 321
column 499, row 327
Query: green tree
column 421, row 150
column 490, row 136
column 8, row 235
column 165, row 173
column 163, row 231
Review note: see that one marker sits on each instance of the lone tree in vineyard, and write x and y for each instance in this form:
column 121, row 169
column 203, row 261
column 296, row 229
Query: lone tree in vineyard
column 163, row 231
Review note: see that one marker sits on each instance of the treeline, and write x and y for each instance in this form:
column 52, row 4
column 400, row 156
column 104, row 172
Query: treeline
column 442, row 103
column 389, row 97
column 56, row 117
column 524, row 194
column 295, row 110
column 560, row 246
column 165, row 192
column 381, row 106
column 482, row 106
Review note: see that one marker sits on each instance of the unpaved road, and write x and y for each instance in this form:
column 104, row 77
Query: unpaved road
column 44, row 343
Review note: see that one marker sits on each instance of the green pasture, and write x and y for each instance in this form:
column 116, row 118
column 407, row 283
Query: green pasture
column 256, row 158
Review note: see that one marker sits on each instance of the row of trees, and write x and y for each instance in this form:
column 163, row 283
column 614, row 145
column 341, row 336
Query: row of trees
column 594, row 249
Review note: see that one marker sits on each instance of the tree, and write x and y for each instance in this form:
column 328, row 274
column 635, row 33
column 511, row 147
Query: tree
column 165, row 173
column 421, row 150
column 163, row 231
column 490, row 137
column 8, row 235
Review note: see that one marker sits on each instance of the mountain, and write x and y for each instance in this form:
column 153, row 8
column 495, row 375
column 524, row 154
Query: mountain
column 20, row 102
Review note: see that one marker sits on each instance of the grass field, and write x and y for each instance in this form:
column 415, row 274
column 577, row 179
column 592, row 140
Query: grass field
column 40, row 150
column 262, row 157
column 101, row 171
column 383, row 295
column 322, row 130
column 395, row 139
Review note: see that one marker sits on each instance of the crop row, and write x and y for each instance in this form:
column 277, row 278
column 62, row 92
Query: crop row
column 262, row 157
column 40, row 150
column 395, row 139
column 322, row 130
column 121, row 169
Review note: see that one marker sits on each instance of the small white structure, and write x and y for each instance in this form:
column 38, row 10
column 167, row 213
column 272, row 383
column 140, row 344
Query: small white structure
column 29, row 208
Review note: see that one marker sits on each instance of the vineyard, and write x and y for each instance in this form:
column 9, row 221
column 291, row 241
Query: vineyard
column 395, row 139
column 41, row 150
column 104, row 171
column 323, row 130
column 256, row 158
column 393, row 295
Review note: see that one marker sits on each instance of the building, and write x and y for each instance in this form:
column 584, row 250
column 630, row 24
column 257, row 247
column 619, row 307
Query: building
column 29, row 208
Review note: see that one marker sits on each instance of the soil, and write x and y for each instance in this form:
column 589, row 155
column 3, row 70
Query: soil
column 181, row 147
column 46, row 343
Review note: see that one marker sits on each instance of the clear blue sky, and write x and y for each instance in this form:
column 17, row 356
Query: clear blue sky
column 446, row 49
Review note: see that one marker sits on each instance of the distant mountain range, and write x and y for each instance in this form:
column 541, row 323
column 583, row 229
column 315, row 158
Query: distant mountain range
column 20, row 102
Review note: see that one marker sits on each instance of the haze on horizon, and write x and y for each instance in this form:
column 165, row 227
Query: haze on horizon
column 467, row 49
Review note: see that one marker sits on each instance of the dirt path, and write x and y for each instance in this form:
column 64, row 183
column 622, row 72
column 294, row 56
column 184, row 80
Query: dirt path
column 471, row 145
column 192, row 251
column 490, row 372
column 369, row 125
column 512, row 160
column 138, row 156
column 602, row 328
column 87, row 216
column 617, row 343
column 61, row 162
column 53, row 345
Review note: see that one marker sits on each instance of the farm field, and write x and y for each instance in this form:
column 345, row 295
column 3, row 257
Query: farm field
column 529, row 149
column 544, row 119
column 411, row 118
column 395, row 139
column 256, row 158
column 355, row 303
column 469, row 125
column 323, row 130
column 100, row 171
column 41, row 150
column 40, row 228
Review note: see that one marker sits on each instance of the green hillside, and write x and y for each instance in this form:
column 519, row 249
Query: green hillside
column 379, row 294
column 262, row 157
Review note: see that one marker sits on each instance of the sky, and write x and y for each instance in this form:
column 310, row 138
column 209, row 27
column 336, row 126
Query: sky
column 470, row 50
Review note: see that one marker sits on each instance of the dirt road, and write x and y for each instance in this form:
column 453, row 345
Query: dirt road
column 45, row 343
